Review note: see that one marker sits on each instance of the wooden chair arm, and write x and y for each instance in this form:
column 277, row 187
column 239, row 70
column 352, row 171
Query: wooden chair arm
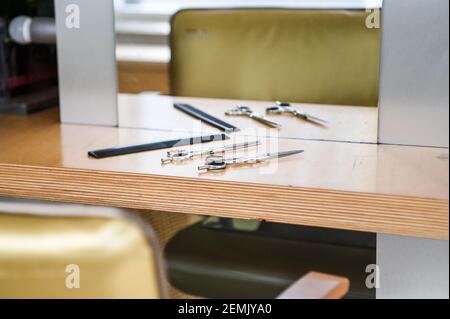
column 317, row 286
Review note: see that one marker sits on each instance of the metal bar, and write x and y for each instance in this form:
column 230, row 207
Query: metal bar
column 205, row 117
column 124, row 150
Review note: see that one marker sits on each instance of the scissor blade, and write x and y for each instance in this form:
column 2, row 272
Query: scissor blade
column 312, row 118
column 282, row 154
column 263, row 120
column 244, row 145
column 316, row 119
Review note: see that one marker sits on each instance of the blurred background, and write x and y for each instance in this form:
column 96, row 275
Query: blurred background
column 28, row 73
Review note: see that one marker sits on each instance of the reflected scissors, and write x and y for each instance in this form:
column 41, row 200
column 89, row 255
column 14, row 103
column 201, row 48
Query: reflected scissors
column 246, row 111
column 182, row 155
column 281, row 107
column 214, row 163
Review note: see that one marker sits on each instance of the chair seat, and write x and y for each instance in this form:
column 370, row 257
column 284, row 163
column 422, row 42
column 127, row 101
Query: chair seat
column 228, row 264
column 112, row 257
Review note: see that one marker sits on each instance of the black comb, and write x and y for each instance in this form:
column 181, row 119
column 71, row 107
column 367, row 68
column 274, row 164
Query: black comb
column 205, row 117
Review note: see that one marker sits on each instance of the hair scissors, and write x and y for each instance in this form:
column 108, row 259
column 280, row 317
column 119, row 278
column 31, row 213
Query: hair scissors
column 281, row 107
column 181, row 155
column 246, row 111
column 214, row 163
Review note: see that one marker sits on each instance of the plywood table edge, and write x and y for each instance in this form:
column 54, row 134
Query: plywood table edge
column 370, row 212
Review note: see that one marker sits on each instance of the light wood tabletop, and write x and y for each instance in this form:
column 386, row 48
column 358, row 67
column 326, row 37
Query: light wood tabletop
column 345, row 123
column 367, row 187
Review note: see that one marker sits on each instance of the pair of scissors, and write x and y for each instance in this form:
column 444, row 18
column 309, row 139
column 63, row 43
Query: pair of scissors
column 182, row 155
column 246, row 111
column 281, row 107
column 214, row 163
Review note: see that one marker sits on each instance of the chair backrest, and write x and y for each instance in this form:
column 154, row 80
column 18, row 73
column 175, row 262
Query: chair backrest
column 309, row 56
column 86, row 256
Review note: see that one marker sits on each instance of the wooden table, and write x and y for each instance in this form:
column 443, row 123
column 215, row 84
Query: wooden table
column 367, row 187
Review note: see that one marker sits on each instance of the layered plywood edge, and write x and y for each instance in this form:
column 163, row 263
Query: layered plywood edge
column 370, row 212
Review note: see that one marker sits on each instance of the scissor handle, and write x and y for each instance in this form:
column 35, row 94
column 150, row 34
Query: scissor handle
column 176, row 156
column 234, row 112
column 213, row 163
column 283, row 104
column 275, row 109
column 176, row 153
column 239, row 110
column 281, row 107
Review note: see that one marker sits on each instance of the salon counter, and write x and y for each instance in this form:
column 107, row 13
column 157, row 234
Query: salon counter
column 385, row 189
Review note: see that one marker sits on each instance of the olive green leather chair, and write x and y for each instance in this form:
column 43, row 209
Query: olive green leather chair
column 309, row 56
column 73, row 251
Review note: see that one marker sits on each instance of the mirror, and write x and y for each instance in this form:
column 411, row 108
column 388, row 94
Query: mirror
column 321, row 57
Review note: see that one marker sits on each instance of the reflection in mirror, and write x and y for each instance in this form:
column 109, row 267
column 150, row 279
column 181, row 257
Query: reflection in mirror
column 319, row 59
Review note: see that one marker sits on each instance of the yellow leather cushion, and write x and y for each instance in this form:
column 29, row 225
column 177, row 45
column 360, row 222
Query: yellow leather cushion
column 113, row 256
column 309, row 56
